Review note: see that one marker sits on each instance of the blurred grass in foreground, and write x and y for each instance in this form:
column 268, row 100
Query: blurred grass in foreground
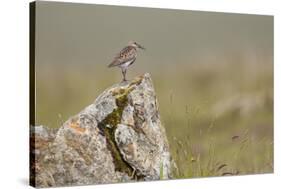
column 218, row 115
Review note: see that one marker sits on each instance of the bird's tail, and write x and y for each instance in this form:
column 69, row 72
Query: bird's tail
column 112, row 64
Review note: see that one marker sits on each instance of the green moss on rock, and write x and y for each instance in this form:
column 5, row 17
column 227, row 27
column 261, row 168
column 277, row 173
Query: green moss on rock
column 109, row 125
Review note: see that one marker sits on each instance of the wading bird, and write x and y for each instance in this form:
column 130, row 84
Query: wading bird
column 126, row 57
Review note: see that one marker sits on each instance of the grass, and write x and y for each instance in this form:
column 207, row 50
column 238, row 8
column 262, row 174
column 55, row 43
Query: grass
column 227, row 145
column 212, row 150
column 240, row 157
column 218, row 115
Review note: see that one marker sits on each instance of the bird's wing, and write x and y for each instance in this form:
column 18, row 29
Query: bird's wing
column 126, row 54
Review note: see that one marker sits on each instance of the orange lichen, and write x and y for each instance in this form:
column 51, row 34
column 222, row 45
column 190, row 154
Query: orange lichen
column 75, row 126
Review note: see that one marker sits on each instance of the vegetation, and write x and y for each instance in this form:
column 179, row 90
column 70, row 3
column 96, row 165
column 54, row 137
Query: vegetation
column 218, row 115
column 219, row 119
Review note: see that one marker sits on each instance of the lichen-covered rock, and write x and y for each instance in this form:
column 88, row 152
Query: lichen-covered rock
column 118, row 138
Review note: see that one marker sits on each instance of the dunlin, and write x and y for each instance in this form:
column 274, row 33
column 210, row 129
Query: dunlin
column 126, row 57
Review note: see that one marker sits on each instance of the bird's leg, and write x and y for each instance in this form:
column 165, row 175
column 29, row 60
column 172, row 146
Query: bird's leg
column 133, row 173
column 125, row 75
column 124, row 70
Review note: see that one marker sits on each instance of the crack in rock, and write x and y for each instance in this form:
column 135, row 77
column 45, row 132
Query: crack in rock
column 118, row 138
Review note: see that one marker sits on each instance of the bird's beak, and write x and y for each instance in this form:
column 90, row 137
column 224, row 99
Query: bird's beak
column 141, row 47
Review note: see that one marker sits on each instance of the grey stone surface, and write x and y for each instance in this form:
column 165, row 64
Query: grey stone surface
column 118, row 138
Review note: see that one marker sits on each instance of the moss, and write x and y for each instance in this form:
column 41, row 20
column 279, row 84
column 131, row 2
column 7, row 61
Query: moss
column 136, row 81
column 109, row 125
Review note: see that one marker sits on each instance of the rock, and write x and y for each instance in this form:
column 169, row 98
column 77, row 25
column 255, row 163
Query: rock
column 118, row 138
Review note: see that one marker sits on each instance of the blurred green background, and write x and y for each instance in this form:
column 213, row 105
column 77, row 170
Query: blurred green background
column 213, row 75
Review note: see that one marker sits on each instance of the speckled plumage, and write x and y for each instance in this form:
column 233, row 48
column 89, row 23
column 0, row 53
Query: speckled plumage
column 127, row 54
column 126, row 57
